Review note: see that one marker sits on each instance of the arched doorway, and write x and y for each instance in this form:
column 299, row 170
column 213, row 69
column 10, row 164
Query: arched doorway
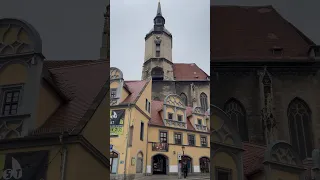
column 188, row 161
column 204, row 165
column 139, row 164
column 114, row 162
column 160, row 164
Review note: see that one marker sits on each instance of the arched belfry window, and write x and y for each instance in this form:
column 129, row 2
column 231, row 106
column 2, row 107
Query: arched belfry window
column 234, row 109
column 157, row 73
column 204, row 101
column 299, row 118
column 184, row 98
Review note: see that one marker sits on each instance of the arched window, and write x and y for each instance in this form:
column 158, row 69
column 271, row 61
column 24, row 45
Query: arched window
column 114, row 162
column 184, row 99
column 139, row 163
column 204, row 101
column 237, row 114
column 157, row 73
column 299, row 118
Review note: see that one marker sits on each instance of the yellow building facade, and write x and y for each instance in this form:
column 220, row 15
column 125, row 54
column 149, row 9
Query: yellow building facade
column 129, row 118
column 43, row 132
column 147, row 136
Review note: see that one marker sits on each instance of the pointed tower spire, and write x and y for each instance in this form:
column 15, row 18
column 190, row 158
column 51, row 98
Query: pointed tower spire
column 159, row 20
column 104, row 50
column 159, row 13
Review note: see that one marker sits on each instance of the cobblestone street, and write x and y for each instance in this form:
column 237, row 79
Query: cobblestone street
column 162, row 177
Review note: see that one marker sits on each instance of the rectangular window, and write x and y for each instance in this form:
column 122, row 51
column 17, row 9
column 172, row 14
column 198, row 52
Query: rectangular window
column 149, row 107
column 223, row 174
column 163, row 137
column 146, row 106
column 141, row 131
column 170, row 115
column 130, row 135
column 203, row 141
column 10, row 102
column 177, row 138
column 113, row 93
column 157, row 50
column 200, row 121
column 179, row 117
column 191, row 140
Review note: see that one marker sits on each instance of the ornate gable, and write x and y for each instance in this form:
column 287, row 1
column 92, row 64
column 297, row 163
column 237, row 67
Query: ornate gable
column 174, row 112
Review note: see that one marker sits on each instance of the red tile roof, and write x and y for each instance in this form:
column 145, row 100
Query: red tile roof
column 156, row 119
column 183, row 72
column 251, row 32
column 135, row 88
column 253, row 158
column 81, row 82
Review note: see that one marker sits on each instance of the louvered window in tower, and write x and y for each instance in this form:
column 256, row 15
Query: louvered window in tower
column 299, row 118
column 237, row 114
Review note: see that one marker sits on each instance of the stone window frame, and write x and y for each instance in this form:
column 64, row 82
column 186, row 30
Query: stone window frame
column 206, row 138
column 11, row 87
column 194, row 138
column 181, row 138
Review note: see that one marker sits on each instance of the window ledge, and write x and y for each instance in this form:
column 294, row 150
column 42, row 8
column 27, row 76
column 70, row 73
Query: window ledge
column 17, row 116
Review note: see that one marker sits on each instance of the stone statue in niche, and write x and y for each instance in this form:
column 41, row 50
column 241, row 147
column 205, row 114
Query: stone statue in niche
column 157, row 40
column 193, row 92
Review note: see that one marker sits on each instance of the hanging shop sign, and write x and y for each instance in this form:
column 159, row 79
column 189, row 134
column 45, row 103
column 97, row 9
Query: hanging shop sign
column 116, row 121
column 24, row 166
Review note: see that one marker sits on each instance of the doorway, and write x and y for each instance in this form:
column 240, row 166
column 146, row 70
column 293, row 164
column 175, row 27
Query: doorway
column 159, row 164
column 188, row 161
column 205, row 165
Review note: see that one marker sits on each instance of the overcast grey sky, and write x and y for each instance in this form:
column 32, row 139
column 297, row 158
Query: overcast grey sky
column 302, row 14
column 70, row 29
column 131, row 20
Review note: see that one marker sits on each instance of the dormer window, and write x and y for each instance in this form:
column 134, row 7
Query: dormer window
column 10, row 101
column 277, row 51
column 170, row 116
column 200, row 121
column 179, row 117
column 113, row 93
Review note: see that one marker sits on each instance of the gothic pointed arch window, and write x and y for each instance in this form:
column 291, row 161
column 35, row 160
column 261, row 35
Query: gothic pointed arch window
column 204, row 101
column 237, row 113
column 184, row 99
column 299, row 119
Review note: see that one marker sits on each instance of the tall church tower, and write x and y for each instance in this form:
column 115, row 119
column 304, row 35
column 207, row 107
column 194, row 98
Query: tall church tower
column 105, row 46
column 158, row 51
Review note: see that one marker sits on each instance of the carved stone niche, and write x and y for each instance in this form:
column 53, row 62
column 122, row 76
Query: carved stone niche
column 281, row 157
column 18, row 37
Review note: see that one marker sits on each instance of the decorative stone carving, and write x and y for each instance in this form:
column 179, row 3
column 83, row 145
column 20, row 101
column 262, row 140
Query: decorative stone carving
column 8, row 128
column 157, row 40
column 115, row 73
column 283, row 153
column 18, row 37
column 174, row 100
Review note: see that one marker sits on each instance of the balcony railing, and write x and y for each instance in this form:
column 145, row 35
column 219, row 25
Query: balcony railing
column 200, row 127
column 176, row 124
column 162, row 147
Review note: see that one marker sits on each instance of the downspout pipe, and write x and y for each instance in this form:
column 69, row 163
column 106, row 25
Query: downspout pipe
column 127, row 136
column 63, row 153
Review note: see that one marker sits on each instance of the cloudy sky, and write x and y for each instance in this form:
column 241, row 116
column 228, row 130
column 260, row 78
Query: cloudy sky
column 69, row 29
column 302, row 14
column 187, row 20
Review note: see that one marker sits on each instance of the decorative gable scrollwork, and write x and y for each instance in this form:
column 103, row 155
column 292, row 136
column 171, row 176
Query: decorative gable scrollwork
column 18, row 37
column 10, row 129
column 174, row 103
column 115, row 74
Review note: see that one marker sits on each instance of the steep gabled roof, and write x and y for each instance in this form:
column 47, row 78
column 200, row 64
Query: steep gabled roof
column 81, row 82
column 135, row 88
column 242, row 32
column 188, row 72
